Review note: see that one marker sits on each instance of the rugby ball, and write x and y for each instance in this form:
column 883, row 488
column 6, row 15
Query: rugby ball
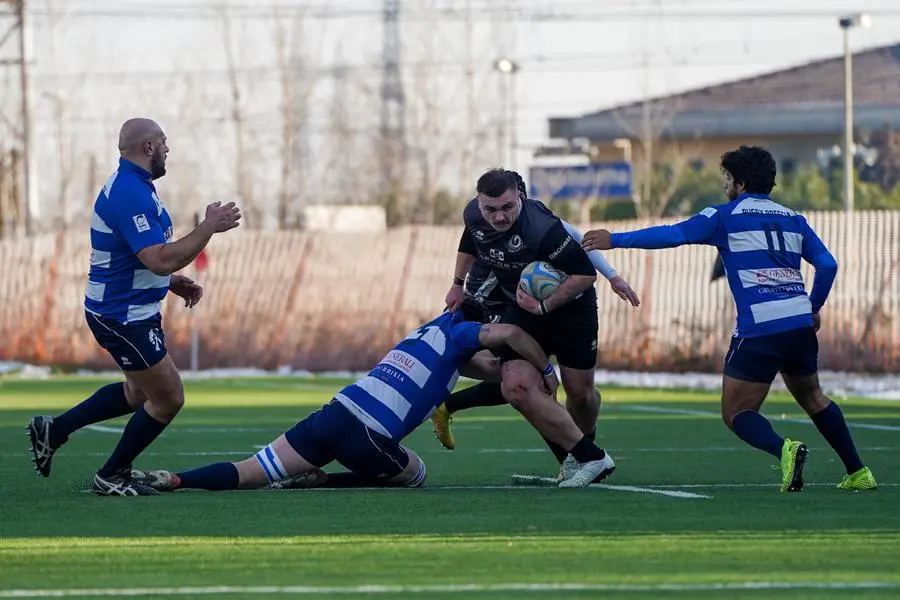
column 540, row 279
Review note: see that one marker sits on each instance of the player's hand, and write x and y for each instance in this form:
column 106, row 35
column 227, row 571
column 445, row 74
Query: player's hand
column 596, row 239
column 817, row 321
column 455, row 297
column 551, row 384
column 623, row 290
column 526, row 302
column 223, row 217
column 187, row 288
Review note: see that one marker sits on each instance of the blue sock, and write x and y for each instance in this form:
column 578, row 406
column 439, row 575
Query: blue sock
column 756, row 430
column 831, row 424
column 106, row 403
column 139, row 433
column 215, row 477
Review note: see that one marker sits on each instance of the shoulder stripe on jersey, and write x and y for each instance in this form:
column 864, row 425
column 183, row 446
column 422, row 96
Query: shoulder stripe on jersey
column 746, row 241
column 764, row 312
column 109, row 183
column 770, row 277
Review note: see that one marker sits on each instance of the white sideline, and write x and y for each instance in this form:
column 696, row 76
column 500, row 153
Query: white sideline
column 451, row 588
column 539, row 480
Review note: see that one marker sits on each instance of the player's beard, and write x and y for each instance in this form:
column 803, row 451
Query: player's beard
column 157, row 165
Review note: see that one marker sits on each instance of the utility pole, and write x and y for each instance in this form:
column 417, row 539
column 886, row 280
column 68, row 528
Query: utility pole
column 393, row 102
column 22, row 60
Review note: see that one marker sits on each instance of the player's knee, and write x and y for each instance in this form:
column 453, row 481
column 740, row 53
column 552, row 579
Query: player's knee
column 414, row 474
column 265, row 467
column 517, row 383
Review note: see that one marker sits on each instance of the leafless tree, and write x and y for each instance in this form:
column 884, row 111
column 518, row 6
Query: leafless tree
column 298, row 77
column 242, row 168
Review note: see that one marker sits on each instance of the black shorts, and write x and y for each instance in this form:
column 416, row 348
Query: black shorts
column 759, row 359
column 569, row 333
column 134, row 346
column 334, row 433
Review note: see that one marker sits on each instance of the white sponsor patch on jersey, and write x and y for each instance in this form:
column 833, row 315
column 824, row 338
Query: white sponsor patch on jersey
column 141, row 223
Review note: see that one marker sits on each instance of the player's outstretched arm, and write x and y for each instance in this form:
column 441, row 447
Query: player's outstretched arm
column 617, row 283
column 699, row 229
column 596, row 257
column 165, row 259
column 494, row 335
column 465, row 256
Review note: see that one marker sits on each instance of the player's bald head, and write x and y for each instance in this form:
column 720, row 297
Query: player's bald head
column 135, row 132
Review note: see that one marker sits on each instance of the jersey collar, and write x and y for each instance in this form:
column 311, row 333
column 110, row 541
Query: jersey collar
column 127, row 164
column 756, row 196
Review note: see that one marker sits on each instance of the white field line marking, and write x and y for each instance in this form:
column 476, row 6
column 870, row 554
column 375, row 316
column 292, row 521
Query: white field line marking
column 177, row 429
column 254, row 448
column 709, row 413
column 538, row 480
column 104, row 429
column 452, row 588
column 663, row 450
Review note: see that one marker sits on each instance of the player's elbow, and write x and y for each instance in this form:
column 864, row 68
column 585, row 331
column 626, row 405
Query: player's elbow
column 156, row 262
column 826, row 263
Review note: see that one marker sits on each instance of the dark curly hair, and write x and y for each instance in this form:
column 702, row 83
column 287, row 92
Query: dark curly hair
column 497, row 181
column 473, row 310
column 752, row 166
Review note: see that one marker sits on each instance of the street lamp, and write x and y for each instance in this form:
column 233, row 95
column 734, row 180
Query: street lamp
column 847, row 23
column 508, row 69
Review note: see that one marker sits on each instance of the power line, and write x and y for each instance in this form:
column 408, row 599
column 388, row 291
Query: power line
column 449, row 13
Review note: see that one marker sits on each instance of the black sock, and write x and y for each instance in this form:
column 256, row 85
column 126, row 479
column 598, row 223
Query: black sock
column 833, row 427
column 215, row 477
column 485, row 393
column 586, row 451
column 558, row 451
column 139, row 433
column 592, row 435
column 106, row 403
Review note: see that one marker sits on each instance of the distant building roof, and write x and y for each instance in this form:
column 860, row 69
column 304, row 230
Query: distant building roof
column 807, row 99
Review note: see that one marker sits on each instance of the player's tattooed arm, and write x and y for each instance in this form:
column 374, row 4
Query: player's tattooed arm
column 494, row 335
column 484, row 366
column 566, row 254
column 568, row 290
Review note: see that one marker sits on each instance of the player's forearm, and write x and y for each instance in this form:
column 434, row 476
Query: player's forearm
column 463, row 263
column 651, row 238
column 826, row 271
column 568, row 290
column 526, row 347
column 596, row 257
column 181, row 253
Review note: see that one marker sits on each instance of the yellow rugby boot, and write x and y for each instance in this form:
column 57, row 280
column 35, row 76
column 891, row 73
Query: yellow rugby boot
column 440, row 421
column 858, row 481
column 793, row 457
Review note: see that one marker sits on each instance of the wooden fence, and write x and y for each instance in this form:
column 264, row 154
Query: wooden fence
column 330, row 301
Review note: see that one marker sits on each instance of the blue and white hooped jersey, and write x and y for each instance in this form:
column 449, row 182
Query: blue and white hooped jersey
column 414, row 378
column 761, row 243
column 128, row 217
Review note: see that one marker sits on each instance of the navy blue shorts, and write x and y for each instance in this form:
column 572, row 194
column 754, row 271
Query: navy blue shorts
column 759, row 359
column 334, row 433
column 136, row 346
